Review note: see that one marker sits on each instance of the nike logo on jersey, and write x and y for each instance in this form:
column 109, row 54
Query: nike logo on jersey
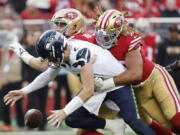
column 81, row 53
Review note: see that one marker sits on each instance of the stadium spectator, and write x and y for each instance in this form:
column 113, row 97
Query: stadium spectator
column 61, row 4
column 151, row 9
column 109, row 4
column 43, row 5
column 32, row 12
column 10, row 31
column 134, row 8
column 150, row 39
column 86, row 7
column 18, row 5
column 170, row 10
column 10, row 79
column 169, row 51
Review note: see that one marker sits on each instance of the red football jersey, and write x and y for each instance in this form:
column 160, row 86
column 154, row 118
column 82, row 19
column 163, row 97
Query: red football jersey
column 129, row 43
column 124, row 45
column 150, row 43
column 85, row 36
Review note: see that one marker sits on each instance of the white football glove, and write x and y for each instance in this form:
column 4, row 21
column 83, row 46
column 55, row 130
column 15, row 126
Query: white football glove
column 20, row 52
column 103, row 85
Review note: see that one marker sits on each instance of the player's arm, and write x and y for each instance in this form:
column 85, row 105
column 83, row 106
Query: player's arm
column 38, row 64
column 134, row 72
column 134, row 65
column 87, row 78
column 42, row 80
column 27, row 58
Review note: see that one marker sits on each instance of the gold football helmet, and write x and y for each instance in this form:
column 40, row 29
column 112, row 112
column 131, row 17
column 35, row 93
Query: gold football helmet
column 69, row 21
column 108, row 27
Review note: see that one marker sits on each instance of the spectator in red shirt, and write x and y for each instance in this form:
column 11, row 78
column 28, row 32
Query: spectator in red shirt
column 31, row 12
column 134, row 8
column 151, row 9
column 86, row 7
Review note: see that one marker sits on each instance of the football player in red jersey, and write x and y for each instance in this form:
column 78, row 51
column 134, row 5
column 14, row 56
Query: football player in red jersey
column 81, row 35
column 91, row 38
column 156, row 93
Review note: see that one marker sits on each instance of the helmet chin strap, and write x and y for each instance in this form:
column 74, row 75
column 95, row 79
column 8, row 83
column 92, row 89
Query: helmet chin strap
column 65, row 31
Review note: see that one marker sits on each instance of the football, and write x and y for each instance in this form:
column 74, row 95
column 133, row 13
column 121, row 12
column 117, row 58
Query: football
column 33, row 118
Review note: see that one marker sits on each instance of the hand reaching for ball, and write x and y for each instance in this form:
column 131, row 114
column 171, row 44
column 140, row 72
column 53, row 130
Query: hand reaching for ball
column 13, row 96
column 57, row 117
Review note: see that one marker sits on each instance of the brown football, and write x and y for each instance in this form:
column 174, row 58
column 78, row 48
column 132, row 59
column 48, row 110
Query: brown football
column 33, row 118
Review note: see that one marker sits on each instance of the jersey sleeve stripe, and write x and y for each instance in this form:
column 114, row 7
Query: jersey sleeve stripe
column 135, row 39
column 133, row 45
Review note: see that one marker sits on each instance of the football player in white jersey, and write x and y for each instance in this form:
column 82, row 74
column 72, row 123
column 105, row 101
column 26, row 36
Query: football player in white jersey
column 87, row 60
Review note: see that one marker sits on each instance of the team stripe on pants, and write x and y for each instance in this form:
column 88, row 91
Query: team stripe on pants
column 170, row 87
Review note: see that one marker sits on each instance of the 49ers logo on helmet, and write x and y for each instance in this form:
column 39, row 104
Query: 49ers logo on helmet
column 71, row 15
column 118, row 22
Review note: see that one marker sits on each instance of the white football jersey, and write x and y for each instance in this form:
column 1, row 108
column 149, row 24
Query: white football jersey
column 105, row 66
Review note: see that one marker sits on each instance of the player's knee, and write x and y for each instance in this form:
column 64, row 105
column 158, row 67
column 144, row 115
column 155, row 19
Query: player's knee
column 129, row 117
column 70, row 121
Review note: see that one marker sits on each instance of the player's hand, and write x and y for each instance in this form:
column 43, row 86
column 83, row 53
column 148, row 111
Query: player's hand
column 98, row 83
column 13, row 96
column 103, row 85
column 173, row 67
column 56, row 117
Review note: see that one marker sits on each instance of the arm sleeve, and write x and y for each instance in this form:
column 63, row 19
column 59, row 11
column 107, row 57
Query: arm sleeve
column 42, row 80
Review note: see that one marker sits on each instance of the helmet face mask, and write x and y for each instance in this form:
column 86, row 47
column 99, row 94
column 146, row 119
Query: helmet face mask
column 71, row 19
column 108, row 28
column 51, row 46
column 106, row 41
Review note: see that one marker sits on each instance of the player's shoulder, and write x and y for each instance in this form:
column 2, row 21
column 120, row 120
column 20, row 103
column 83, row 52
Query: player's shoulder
column 131, row 41
column 86, row 36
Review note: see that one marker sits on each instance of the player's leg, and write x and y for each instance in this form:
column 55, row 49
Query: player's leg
column 153, row 124
column 81, row 118
column 126, row 102
column 156, row 98
column 167, row 96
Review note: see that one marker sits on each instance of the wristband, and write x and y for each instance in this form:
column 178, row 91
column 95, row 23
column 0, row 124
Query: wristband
column 26, row 57
column 74, row 104
column 20, row 52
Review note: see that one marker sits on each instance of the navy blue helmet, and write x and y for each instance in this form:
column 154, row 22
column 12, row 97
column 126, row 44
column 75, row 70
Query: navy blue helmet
column 51, row 45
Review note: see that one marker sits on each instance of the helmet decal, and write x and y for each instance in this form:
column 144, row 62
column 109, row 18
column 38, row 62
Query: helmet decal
column 105, row 19
column 118, row 22
column 71, row 15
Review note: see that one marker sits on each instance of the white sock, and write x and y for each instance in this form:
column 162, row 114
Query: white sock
column 117, row 127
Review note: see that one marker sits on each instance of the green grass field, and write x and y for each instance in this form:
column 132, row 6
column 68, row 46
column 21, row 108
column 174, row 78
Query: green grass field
column 64, row 130
column 49, row 133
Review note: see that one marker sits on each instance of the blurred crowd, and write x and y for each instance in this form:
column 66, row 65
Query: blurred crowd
column 16, row 24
